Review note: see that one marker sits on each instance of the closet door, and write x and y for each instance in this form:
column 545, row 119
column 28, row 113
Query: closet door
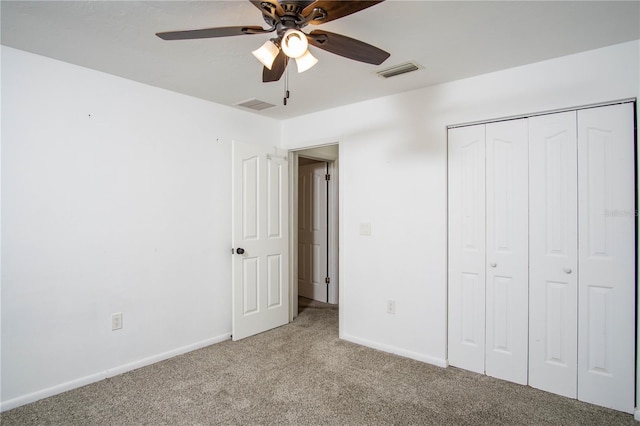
column 553, row 277
column 507, row 274
column 467, row 248
column 607, row 217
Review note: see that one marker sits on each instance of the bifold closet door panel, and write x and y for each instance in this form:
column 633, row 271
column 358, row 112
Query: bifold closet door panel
column 607, row 217
column 507, row 273
column 553, row 244
column 467, row 247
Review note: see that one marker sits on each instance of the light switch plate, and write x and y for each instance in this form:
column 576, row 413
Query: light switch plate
column 365, row 228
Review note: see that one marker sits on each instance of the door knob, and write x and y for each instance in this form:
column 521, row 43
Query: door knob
column 240, row 250
column 567, row 270
column 493, row 264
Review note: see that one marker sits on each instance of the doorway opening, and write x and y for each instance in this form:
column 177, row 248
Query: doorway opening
column 314, row 227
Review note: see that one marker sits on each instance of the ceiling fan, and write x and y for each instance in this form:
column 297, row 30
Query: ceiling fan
column 287, row 18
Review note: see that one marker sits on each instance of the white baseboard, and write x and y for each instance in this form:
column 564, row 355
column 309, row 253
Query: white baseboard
column 111, row 372
column 636, row 414
column 438, row 362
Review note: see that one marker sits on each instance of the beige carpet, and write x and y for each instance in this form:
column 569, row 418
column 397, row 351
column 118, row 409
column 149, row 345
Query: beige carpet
column 302, row 374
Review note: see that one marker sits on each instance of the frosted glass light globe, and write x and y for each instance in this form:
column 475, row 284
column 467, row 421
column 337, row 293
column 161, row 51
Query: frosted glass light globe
column 294, row 43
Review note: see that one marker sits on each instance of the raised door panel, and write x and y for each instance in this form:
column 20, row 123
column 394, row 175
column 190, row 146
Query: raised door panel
column 250, row 202
column 607, row 217
column 507, row 275
column 553, row 253
column 275, row 215
column 466, row 177
column 250, row 285
column 274, row 281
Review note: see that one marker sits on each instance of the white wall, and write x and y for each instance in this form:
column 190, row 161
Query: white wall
column 116, row 195
column 116, row 198
column 393, row 162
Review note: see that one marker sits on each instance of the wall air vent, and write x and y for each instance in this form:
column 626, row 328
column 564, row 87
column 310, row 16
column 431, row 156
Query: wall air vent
column 255, row 104
column 399, row 69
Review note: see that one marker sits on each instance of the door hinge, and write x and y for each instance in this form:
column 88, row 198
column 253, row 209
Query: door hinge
column 327, row 280
column 327, row 177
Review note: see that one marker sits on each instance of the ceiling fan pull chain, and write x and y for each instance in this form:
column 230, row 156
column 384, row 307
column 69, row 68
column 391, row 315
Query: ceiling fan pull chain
column 286, row 86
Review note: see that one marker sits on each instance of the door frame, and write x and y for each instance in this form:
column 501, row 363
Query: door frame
column 316, row 153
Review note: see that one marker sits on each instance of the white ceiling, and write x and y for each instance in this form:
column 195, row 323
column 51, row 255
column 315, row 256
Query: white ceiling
column 451, row 39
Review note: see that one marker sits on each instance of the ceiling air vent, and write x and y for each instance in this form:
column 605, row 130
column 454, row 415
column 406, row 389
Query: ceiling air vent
column 255, row 104
column 399, row 69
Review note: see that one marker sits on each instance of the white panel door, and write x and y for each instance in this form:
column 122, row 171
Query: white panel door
column 467, row 248
column 553, row 253
column 507, row 274
column 312, row 231
column 607, row 217
column 260, row 238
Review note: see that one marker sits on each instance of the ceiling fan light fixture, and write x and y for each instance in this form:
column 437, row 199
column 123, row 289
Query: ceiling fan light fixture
column 286, row 18
column 306, row 61
column 267, row 53
column 294, row 43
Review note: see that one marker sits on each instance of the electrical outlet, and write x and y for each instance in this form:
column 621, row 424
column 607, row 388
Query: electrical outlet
column 391, row 306
column 116, row 321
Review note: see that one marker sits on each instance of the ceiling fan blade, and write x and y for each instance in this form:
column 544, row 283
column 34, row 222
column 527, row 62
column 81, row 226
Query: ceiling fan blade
column 277, row 69
column 347, row 47
column 269, row 7
column 337, row 9
column 211, row 33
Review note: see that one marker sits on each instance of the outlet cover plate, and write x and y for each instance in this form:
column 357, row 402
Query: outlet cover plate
column 116, row 321
column 391, row 306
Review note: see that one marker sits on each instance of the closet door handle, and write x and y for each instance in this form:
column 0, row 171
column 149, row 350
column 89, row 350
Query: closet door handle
column 493, row 264
column 567, row 270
